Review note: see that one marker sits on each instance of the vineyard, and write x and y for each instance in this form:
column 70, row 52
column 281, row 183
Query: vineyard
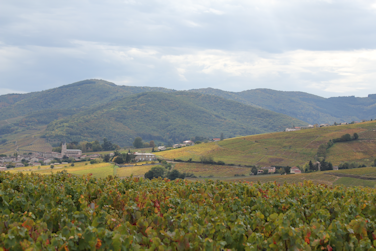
column 66, row 212
column 286, row 148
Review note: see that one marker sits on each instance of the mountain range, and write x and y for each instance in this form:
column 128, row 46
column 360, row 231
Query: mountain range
column 93, row 109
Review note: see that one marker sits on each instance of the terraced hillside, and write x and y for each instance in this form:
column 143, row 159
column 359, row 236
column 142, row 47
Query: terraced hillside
column 287, row 148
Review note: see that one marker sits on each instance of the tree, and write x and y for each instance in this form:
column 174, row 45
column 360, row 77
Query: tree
column 287, row 169
column 254, row 170
column 106, row 158
column 146, row 144
column 222, row 136
column 119, row 159
column 155, row 172
column 129, row 157
column 151, row 143
column 311, row 166
column 11, row 165
column 356, row 136
column 346, row 137
column 175, row 174
column 138, row 142
column 107, row 145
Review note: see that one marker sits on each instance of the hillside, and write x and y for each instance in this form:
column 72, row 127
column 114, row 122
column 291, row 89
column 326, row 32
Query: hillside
column 76, row 96
column 287, row 148
column 167, row 117
column 304, row 106
column 24, row 117
column 90, row 93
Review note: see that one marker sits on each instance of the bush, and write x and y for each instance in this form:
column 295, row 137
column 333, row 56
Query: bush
column 175, row 174
column 93, row 161
column 11, row 165
column 155, row 172
column 72, row 164
column 207, row 159
column 220, row 162
column 52, row 166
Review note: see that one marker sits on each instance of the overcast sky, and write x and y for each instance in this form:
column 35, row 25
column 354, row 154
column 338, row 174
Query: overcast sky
column 322, row 47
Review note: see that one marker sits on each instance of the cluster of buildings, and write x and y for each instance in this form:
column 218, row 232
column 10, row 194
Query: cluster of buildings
column 37, row 158
column 272, row 169
column 185, row 143
column 292, row 129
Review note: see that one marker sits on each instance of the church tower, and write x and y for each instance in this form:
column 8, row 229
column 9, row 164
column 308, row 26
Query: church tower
column 63, row 149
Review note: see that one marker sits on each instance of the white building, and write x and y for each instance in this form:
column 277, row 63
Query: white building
column 144, row 157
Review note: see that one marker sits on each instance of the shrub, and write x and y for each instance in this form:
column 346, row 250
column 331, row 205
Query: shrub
column 175, row 174
column 155, row 172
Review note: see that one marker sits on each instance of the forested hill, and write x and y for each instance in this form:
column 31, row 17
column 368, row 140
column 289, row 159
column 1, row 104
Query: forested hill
column 304, row 106
column 167, row 117
column 74, row 97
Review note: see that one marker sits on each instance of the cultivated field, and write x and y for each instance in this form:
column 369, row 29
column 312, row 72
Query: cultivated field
column 287, row 148
column 99, row 170
column 327, row 177
column 212, row 171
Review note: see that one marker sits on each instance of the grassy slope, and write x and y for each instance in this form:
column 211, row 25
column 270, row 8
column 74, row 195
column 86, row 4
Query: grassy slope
column 287, row 148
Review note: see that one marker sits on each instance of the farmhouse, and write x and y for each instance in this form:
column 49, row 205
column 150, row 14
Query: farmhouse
column 271, row 169
column 292, row 129
column 216, row 139
column 295, row 170
column 188, row 143
column 144, row 156
column 161, row 148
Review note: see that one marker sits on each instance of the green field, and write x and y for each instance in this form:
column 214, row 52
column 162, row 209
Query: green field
column 287, row 148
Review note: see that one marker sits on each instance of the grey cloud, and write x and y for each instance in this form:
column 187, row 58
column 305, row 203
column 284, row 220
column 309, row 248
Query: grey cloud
column 44, row 43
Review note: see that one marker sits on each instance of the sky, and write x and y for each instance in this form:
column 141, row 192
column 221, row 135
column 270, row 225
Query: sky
column 323, row 47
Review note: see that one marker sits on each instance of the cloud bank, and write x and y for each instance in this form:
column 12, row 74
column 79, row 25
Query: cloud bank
column 323, row 47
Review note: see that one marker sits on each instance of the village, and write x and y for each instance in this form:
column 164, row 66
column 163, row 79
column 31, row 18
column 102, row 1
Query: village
column 67, row 156
column 296, row 128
